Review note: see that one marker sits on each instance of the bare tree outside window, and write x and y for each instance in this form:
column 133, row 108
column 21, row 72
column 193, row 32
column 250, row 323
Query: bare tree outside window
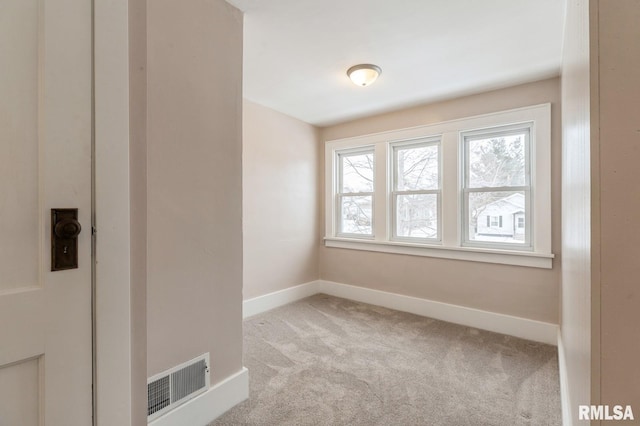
column 416, row 190
column 356, row 193
column 496, row 188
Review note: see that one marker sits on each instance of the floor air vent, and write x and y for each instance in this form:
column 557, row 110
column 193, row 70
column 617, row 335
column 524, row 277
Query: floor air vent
column 167, row 390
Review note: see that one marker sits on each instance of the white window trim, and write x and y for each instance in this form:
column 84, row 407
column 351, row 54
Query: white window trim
column 450, row 246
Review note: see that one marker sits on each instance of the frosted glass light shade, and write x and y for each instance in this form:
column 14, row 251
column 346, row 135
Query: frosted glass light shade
column 364, row 74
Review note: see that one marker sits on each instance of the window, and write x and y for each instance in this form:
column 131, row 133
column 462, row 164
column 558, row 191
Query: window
column 415, row 198
column 475, row 189
column 496, row 184
column 494, row 221
column 355, row 192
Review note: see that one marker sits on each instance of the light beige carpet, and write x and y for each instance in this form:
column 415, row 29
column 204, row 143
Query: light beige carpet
column 330, row 361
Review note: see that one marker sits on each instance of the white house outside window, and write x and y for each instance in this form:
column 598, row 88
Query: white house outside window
column 475, row 189
column 497, row 187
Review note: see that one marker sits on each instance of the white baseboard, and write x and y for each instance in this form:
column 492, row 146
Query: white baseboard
column 276, row 299
column 205, row 408
column 505, row 324
column 567, row 418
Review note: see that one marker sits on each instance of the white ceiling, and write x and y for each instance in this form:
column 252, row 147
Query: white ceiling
column 296, row 52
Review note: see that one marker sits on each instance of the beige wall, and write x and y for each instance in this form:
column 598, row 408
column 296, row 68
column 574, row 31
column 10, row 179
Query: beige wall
column 138, row 193
column 520, row 291
column 619, row 201
column 194, row 184
column 280, row 201
column 576, row 291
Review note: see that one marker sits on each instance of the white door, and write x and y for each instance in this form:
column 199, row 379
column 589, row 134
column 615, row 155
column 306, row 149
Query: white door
column 45, row 163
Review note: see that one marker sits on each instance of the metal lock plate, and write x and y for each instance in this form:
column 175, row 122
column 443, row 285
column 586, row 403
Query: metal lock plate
column 64, row 239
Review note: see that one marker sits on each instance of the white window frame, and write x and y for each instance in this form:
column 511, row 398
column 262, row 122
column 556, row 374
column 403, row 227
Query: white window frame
column 339, row 194
column 451, row 244
column 526, row 188
column 393, row 193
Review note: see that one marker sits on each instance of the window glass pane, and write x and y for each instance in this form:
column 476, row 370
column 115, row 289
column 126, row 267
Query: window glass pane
column 417, row 215
column 497, row 161
column 496, row 216
column 356, row 214
column 357, row 173
column 417, row 168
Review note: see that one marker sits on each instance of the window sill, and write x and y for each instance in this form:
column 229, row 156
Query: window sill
column 504, row 257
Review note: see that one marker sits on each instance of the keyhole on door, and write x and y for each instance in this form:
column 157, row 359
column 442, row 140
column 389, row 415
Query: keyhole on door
column 66, row 248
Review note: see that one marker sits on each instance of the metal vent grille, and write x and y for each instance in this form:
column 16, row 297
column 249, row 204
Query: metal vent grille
column 188, row 380
column 158, row 395
column 177, row 385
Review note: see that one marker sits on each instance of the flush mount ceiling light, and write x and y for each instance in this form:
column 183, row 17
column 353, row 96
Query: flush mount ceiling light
column 364, row 74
